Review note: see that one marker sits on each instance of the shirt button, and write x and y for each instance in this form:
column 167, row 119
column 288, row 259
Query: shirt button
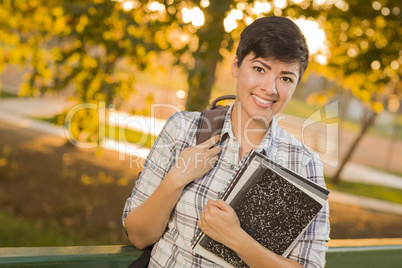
column 232, row 166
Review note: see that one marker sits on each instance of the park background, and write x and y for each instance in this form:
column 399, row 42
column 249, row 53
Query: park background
column 66, row 184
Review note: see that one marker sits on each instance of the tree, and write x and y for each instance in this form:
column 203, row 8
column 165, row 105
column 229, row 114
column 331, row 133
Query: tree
column 74, row 43
column 88, row 44
column 364, row 56
column 89, row 40
column 93, row 42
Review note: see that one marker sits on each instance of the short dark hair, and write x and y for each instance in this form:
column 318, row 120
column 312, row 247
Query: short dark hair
column 275, row 38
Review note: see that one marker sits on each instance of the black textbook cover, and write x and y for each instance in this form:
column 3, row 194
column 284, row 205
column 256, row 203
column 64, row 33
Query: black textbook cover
column 274, row 206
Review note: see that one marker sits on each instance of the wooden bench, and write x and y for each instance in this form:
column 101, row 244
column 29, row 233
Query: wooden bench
column 381, row 253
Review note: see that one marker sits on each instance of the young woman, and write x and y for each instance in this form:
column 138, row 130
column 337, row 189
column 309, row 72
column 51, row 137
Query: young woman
column 178, row 192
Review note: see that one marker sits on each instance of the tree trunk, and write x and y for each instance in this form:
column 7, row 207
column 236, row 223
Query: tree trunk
column 200, row 80
column 202, row 77
column 367, row 123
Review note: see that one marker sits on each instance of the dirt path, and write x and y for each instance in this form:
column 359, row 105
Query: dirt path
column 44, row 179
column 48, row 181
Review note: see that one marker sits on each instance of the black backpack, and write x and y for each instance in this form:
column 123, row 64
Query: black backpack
column 210, row 124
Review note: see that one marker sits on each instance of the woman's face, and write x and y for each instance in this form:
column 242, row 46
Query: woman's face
column 264, row 87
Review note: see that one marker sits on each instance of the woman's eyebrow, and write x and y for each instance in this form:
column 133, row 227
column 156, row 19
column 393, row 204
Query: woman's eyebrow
column 269, row 68
column 287, row 72
column 263, row 63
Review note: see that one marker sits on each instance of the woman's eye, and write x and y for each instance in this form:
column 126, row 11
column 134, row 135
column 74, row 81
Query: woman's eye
column 287, row 79
column 259, row 69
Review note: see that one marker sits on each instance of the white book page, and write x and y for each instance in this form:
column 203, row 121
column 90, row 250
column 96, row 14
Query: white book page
column 253, row 166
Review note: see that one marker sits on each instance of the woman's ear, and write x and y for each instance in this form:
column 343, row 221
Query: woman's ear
column 235, row 67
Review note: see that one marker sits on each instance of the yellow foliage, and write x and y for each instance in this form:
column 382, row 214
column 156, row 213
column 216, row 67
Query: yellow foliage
column 79, row 28
column 149, row 99
column 9, row 38
column 117, row 34
column 92, row 11
column 67, row 30
column 99, row 97
column 14, row 21
column 317, row 99
column 141, row 51
column 109, row 79
column 126, row 43
column 59, row 25
column 105, row 179
column 89, row 63
column 311, row 99
column 125, row 87
column 107, row 35
column 131, row 30
column 160, row 37
column 87, row 180
column 377, row 107
column 123, row 182
column 96, row 82
column 24, row 89
column 322, row 100
column 84, row 20
column 354, row 82
column 356, row 91
column 77, row 43
column 56, row 52
column 138, row 17
column 58, row 11
column 380, row 22
column 33, row 40
column 2, row 64
column 365, row 95
column 372, row 77
column 46, row 73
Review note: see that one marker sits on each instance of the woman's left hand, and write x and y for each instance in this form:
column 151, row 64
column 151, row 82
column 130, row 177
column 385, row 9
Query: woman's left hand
column 220, row 222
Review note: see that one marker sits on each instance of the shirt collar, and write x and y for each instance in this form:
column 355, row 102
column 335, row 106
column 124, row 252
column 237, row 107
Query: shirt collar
column 227, row 124
column 266, row 143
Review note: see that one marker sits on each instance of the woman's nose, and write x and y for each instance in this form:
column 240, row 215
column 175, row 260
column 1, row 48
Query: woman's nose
column 268, row 85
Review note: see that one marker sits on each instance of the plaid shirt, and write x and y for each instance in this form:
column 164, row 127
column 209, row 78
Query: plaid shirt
column 174, row 248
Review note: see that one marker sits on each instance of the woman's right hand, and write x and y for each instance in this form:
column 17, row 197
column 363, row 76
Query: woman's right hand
column 194, row 162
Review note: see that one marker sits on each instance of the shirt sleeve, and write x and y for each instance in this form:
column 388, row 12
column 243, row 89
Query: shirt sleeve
column 159, row 161
column 310, row 249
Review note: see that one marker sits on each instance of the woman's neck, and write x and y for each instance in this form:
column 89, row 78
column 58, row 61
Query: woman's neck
column 248, row 131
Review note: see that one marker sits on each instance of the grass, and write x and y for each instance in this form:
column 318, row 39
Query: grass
column 6, row 95
column 25, row 233
column 387, row 132
column 131, row 136
column 117, row 133
column 367, row 190
column 299, row 108
column 399, row 174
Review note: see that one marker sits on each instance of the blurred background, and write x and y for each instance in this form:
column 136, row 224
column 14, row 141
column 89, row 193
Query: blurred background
column 85, row 87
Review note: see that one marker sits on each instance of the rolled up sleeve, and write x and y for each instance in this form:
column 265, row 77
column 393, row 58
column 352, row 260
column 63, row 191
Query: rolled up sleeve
column 311, row 248
column 159, row 161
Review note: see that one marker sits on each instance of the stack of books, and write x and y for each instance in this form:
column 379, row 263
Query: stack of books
column 274, row 205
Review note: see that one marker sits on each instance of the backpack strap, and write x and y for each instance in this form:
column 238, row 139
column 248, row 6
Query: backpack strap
column 143, row 260
column 212, row 119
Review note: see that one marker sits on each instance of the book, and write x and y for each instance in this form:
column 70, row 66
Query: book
column 274, row 206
